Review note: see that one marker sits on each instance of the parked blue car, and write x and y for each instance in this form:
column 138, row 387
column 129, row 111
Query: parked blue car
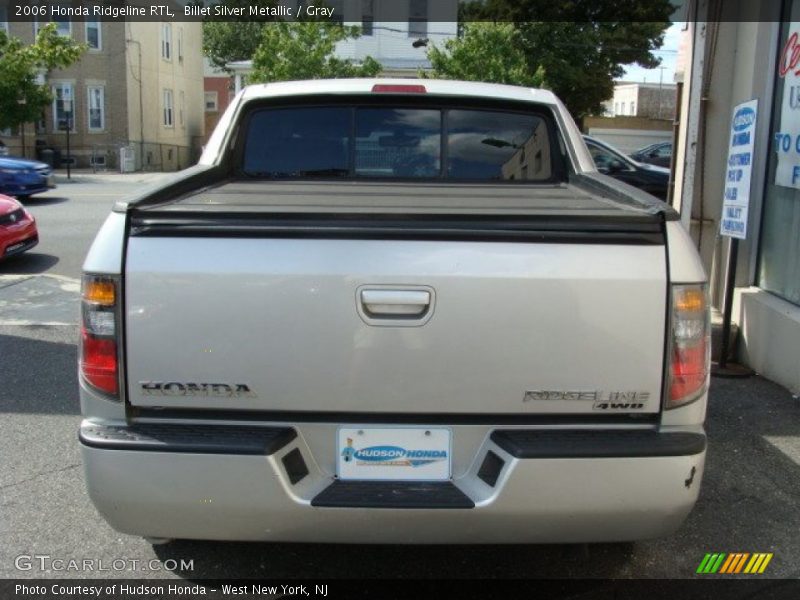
column 22, row 178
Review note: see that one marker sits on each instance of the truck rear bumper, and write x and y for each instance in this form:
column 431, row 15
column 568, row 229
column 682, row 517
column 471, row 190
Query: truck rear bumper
column 281, row 490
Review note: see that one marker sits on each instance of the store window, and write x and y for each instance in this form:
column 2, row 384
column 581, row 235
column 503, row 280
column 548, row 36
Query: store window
column 779, row 246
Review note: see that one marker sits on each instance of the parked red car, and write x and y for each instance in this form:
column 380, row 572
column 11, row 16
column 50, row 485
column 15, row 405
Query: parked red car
column 18, row 231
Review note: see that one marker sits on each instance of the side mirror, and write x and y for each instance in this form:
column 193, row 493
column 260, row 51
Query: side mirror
column 615, row 166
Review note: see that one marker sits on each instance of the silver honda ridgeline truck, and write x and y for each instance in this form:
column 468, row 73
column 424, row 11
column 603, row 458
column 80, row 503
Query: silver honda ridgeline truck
column 394, row 311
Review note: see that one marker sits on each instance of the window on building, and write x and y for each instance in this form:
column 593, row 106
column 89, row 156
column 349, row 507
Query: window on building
column 97, row 110
column 94, row 36
column 166, row 41
column 180, row 44
column 211, row 101
column 633, row 109
column 779, row 243
column 63, row 26
column 168, row 109
column 417, row 18
column 63, row 108
column 181, row 108
column 367, row 16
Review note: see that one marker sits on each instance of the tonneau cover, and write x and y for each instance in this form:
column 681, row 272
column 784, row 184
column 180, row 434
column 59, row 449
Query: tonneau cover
column 587, row 197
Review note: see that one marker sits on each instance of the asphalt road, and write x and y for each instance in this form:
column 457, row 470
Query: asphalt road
column 749, row 500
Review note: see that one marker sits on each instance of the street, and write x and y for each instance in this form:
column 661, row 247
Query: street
column 748, row 502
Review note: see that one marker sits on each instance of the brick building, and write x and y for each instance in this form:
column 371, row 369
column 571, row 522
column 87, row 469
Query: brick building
column 139, row 86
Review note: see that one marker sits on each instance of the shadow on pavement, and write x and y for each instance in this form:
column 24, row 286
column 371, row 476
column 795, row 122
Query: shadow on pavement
column 332, row 561
column 28, row 263
column 38, row 376
column 43, row 200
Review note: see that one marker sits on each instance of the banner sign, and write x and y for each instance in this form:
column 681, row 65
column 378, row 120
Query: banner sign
column 740, row 168
column 787, row 138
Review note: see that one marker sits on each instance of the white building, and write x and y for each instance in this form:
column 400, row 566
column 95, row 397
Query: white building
column 395, row 33
column 652, row 100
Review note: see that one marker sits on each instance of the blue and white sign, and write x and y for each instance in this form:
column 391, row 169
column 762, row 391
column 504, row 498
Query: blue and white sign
column 394, row 453
column 736, row 202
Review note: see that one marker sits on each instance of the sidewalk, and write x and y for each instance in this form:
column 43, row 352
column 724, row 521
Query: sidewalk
column 89, row 176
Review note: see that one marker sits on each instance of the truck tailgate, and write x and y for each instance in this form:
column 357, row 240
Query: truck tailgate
column 341, row 323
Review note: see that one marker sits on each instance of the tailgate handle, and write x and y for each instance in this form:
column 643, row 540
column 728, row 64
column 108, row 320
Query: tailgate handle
column 395, row 303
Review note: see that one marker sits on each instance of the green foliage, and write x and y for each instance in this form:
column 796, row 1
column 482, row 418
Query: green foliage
column 485, row 52
column 229, row 41
column 21, row 98
column 232, row 40
column 581, row 45
column 304, row 50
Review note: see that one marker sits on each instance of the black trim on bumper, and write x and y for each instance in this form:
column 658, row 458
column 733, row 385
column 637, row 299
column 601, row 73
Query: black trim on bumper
column 140, row 414
column 27, row 244
column 392, row 494
column 609, row 443
column 198, row 439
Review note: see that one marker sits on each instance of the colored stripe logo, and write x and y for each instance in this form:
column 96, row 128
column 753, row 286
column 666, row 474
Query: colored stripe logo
column 734, row 563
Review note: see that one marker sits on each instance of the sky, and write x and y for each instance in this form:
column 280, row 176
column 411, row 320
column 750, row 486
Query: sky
column 668, row 53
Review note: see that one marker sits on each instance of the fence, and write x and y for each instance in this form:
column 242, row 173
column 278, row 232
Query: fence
column 147, row 156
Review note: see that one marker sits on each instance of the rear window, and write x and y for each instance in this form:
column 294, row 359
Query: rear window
column 397, row 143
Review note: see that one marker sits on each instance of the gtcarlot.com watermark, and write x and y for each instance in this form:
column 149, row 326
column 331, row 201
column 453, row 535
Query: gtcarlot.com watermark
column 48, row 563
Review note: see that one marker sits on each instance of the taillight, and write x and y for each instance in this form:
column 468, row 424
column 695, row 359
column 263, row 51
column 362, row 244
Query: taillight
column 690, row 351
column 98, row 357
column 398, row 88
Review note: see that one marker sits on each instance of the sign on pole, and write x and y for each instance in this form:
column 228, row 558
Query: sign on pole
column 740, row 169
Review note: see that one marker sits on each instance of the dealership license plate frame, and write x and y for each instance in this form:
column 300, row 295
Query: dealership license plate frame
column 407, row 438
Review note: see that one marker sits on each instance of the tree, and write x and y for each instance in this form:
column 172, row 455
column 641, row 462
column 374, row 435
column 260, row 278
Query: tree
column 485, row 52
column 22, row 99
column 580, row 47
column 229, row 41
column 304, row 50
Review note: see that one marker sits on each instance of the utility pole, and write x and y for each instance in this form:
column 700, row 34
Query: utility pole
column 68, row 118
column 660, row 83
column 22, row 102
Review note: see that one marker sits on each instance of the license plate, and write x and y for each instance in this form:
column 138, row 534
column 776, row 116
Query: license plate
column 394, row 453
